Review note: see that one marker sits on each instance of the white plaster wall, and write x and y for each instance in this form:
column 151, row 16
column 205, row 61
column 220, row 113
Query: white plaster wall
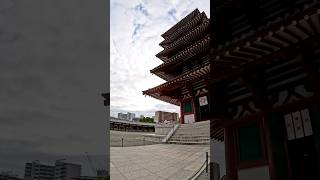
column 189, row 118
column 217, row 155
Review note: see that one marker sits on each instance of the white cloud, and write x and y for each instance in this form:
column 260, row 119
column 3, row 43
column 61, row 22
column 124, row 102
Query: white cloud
column 136, row 28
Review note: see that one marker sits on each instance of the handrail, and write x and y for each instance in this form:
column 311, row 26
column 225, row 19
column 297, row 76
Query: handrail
column 168, row 136
column 196, row 174
column 201, row 169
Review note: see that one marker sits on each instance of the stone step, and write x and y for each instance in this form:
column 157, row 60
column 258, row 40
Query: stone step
column 195, row 128
column 201, row 122
column 190, row 133
column 195, row 133
column 190, row 138
column 202, row 126
column 196, row 124
column 188, row 142
column 188, row 126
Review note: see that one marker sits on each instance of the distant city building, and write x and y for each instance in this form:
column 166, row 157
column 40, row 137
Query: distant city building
column 136, row 119
column 162, row 116
column 101, row 173
column 129, row 116
column 63, row 170
column 84, row 178
column 123, row 116
column 38, row 171
column 60, row 171
column 9, row 176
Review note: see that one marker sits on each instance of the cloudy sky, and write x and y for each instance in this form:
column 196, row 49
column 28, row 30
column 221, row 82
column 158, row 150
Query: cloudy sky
column 136, row 28
column 54, row 67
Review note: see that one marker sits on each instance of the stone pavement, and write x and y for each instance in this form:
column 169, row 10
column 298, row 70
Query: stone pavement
column 156, row 162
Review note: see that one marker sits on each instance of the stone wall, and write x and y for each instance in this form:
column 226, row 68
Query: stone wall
column 163, row 129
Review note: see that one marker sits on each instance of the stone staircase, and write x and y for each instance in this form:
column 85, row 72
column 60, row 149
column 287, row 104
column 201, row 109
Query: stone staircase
column 194, row 133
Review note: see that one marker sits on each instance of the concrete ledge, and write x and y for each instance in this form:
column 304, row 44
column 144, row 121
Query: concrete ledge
column 153, row 137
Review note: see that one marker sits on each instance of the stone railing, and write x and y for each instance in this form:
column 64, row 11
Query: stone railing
column 171, row 132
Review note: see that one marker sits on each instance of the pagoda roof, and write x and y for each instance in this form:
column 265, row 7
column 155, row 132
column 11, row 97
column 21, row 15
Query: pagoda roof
column 189, row 52
column 264, row 44
column 177, row 82
column 191, row 36
column 183, row 29
column 167, row 99
column 181, row 23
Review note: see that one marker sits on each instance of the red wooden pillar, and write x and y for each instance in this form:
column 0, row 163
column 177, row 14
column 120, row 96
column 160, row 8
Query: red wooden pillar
column 181, row 113
column 194, row 109
column 230, row 154
column 268, row 146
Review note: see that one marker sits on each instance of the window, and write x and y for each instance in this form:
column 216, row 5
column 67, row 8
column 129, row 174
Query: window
column 187, row 107
column 250, row 143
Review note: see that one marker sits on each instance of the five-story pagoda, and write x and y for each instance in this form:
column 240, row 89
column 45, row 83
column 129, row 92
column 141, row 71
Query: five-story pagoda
column 185, row 67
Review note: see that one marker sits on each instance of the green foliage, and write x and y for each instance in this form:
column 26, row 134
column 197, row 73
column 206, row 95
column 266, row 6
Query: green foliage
column 104, row 178
column 147, row 120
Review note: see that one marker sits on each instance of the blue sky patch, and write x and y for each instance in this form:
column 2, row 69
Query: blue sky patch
column 142, row 9
column 137, row 27
column 172, row 13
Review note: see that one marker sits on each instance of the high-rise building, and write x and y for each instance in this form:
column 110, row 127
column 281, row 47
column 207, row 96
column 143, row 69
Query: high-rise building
column 84, row 178
column 60, row 171
column 9, row 175
column 122, row 116
column 64, row 171
column 131, row 116
column 38, row 171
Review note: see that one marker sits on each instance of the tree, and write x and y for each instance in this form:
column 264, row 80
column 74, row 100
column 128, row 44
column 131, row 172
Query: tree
column 147, row 120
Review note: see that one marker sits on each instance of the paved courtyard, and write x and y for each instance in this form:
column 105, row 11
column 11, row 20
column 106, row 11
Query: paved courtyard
column 156, row 162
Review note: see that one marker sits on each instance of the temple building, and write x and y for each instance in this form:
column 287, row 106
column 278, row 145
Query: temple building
column 185, row 67
column 256, row 77
column 163, row 117
column 264, row 87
